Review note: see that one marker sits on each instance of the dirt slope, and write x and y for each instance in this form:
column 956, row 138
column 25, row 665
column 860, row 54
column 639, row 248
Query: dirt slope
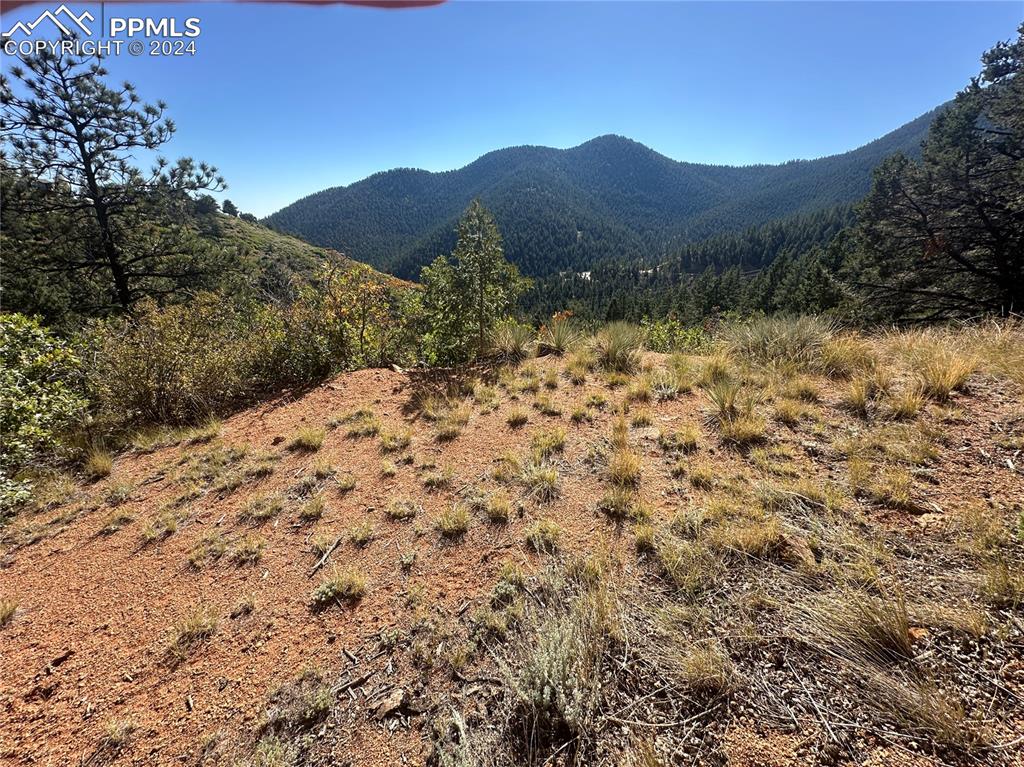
column 85, row 659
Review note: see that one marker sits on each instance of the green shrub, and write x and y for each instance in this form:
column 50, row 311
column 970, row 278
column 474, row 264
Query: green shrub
column 41, row 397
column 670, row 335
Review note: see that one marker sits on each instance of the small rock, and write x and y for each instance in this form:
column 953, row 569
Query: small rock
column 390, row 704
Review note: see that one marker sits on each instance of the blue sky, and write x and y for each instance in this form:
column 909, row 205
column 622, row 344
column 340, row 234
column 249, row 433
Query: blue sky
column 288, row 100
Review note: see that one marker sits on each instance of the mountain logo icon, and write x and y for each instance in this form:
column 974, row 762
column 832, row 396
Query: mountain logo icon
column 62, row 18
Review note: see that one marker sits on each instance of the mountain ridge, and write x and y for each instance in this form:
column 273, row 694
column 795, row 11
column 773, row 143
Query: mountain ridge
column 610, row 196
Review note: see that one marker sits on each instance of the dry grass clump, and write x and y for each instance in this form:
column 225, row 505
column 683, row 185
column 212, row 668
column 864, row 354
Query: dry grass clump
column 342, row 586
column 1001, row 586
column 640, row 390
column 307, row 440
column 161, row 526
column 705, row 668
column 641, row 418
column 700, row 474
column 541, row 480
column 790, row 412
column 688, row 565
column 547, row 442
column 558, row 336
column 624, row 468
column 198, row 625
column 543, row 536
column 261, row 508
column 621, row 503
column 800, row 388
column 119, row 493
column 618, row 347
column 321, row 543
column 403, row 509
column 743, row 430
column 362, row 533
column 313, row 509
column 210, row 548
column 513, row 342
column 943, row 371
column 248, row 550
column 438, row 478
column 683, row 441
column 758, row 538
column 644, row 538
column 297, row 706
column 453, row 522
column 7, row 609
column 393, row 441
column 715, row 368
column 855, row 626
column 581, row 415
column 117, row 732
column 738, row 421
column 1000, row 347
column 117, row 520
column 451, row 422
column 765, row 340
column 906, row 403
column 98, row 464
column 858, row 396
column 846, row 355
column 517, row 417
column 359, row 423
column 547, row 406
column 871, row 637
column 498, row 508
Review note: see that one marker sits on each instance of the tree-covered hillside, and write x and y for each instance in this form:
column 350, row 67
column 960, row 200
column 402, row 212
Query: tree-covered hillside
column 570, row 209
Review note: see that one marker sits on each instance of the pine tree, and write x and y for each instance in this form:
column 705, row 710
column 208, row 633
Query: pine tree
column 71, row 138
column 944, row 237
column 466, row 295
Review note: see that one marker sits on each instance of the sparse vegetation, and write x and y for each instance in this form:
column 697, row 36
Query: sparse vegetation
column 98, row 464
column 261, row 508
column 307, row 440
column 195, row 627
column 618, row 346
column 403, row 509
column 544, row 536
column 453, row 522
column 341, row 587
column 7, row 609
column 362, row 533
column 394, row 441
column 248, row 550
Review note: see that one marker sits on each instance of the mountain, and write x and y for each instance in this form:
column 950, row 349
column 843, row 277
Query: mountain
column 570, row 208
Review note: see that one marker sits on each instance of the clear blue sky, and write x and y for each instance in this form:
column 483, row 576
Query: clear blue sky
column 288, row 100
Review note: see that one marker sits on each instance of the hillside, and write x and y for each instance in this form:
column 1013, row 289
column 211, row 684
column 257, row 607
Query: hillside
column 569, row 208
column 555, row 563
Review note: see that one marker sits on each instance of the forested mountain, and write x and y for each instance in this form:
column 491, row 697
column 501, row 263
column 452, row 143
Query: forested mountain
column 568, row 209
column 768, row 267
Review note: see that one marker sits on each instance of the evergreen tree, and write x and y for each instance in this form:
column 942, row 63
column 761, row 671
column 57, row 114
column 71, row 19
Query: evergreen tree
column 71, row 137
column 944, row 237
column 229, row 207
column 465, row 296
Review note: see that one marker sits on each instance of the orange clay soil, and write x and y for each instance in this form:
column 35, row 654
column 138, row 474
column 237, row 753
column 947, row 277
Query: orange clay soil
column 88, row 644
